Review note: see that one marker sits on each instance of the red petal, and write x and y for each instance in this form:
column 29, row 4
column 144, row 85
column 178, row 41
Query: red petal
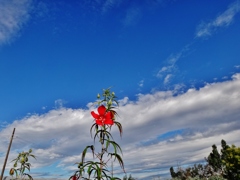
column 108, row 121
column 108, row 118
column 96, row 116
column 101, row 110
column 99, row 122
column 108, row 115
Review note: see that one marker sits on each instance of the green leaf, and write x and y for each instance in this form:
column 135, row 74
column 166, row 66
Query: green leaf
column 118, row 157
column 89, row 169
column 27, row 165
column 115, row 146
column 16, row 172
column 108, row 134
column 85, row 151
column 32, row 156
column 29, row 176
column 119, row 127
column 23, row 169
column 105, row 174
column 107, row 144
column 115, row 178
column 96, row 128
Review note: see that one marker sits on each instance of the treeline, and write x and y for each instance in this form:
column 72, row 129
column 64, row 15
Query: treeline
column 219, row 165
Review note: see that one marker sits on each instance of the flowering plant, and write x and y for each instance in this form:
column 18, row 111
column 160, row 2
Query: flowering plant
column 24, row 164
column 103, row 122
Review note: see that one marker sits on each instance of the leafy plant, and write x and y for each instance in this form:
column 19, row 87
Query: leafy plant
column 22, row 159
column 104, row 120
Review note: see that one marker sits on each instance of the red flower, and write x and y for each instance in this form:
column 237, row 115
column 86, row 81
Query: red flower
column 103, row 117
column 74, row 177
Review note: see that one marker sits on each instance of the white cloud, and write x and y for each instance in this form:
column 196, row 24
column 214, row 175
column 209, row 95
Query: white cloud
column 167, row 78
column 141, row 83
column 59, row 103
column 166, row 72
column 237, row 66
column 13, row 15
column 165, row 69
column 198, row 118
column 223, row 20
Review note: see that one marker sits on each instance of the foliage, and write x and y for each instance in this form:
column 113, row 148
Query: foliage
column 22, row 158
column 103, row 123
column 231, row 162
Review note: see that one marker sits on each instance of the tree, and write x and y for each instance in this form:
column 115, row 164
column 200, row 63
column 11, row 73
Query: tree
column 214, row 159
column 172, row 172
column 231, row 162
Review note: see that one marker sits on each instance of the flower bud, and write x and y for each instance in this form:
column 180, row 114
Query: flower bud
column 80, row 164
column 15, row 164
column 98, row 96
column 30, row 150
column 11, row 172
column 113, row 94
column 22, row 160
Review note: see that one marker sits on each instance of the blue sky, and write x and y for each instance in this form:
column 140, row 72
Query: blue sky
column 174, row 65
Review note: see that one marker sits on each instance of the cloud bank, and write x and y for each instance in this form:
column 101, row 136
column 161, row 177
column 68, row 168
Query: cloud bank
column 161, row 130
